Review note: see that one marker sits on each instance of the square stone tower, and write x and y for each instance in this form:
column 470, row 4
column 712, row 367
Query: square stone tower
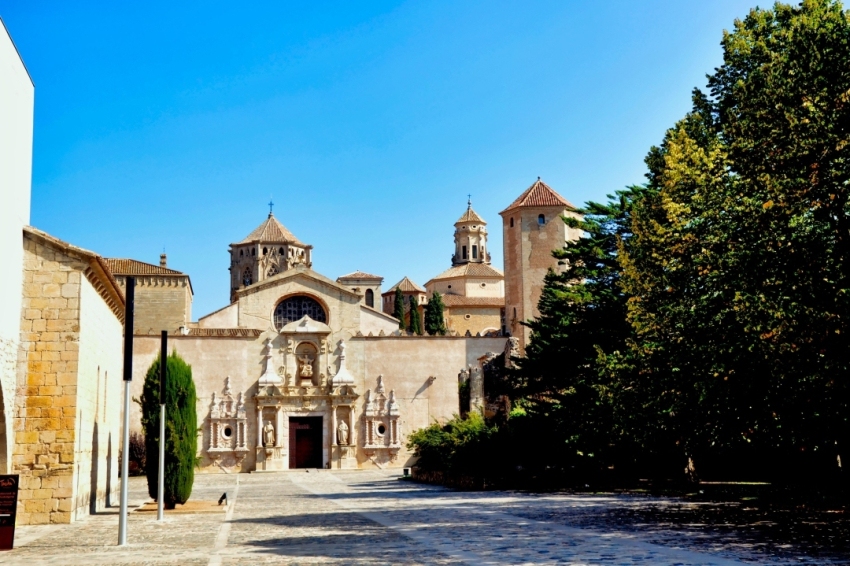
column 532, row 230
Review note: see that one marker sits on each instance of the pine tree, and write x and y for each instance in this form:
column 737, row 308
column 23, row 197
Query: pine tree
column 434, row 321
column 415, row 319
column 398, row 310
column 181, row 423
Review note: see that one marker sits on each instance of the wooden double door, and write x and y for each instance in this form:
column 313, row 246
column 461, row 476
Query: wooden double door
column 305, row 442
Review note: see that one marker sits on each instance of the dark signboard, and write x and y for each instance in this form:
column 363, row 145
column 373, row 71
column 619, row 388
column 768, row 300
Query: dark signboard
column 8, row 509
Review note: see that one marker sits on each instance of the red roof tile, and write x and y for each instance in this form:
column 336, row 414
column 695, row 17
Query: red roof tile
column 271, row 231
column 539, row 194
column 406, row 286
column 469, row 269
column 134, row 267
column 470, row 216
column 360, row 275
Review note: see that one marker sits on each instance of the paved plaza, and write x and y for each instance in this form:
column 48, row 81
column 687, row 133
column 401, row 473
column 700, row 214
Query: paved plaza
column 370, row 517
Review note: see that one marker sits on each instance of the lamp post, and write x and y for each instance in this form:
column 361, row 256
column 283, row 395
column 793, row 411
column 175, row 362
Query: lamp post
column 160, row 490
column 129, row 300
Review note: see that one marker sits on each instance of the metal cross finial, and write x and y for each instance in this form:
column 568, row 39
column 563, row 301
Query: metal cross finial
column 271, row 205
column 469, row 201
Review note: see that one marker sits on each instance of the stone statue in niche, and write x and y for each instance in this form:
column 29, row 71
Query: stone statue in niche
column 305, row 366
column 342, row 433
column 268, row 434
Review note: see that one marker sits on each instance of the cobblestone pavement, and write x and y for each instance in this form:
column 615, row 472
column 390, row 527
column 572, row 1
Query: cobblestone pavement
column 369, row 517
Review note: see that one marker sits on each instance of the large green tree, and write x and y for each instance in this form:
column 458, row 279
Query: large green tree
column 434, row 320
column 181, row 424
column 563, row 377
column 737, row 273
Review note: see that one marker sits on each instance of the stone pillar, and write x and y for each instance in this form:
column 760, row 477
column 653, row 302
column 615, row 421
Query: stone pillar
column 259, row 426
column 476, row 390
column 278, row 427
column 334, row 437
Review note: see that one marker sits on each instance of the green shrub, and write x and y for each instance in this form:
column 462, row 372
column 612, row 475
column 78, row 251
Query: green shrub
column 461, row 446
column 181, row 424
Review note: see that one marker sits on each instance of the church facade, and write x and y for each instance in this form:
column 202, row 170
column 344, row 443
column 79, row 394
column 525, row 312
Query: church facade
column 299, row 371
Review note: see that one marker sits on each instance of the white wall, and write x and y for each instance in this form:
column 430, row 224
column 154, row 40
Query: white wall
column 16, row 119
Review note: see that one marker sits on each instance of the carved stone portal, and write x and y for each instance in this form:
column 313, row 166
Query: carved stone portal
column 227, row 426
column 382, row 437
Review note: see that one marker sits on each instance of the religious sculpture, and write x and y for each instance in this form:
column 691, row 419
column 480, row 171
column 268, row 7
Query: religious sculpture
column 342, row 433
column 268, row 434
column 305, row 367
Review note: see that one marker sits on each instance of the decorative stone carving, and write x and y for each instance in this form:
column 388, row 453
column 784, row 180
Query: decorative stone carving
column 227, row 425
column 268, row 434
column 381, row 420
column 342, row 433
column 305, row 366
column 270, row 376
column 343, row 376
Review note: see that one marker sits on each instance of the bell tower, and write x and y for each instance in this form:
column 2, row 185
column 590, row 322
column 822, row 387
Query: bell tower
column 268, row 250
column 470, row 238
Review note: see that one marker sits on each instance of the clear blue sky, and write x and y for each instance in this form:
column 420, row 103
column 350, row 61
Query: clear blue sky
column 169, row 125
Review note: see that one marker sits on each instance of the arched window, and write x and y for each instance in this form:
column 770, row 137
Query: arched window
column 370, row 298
column 512, row 222
column 541, row 219
column 272, row 271
column 241, row 253
column 294, row 308
column 253, row 251
column 280, row 251
column 247, row 277
column 265, row 251
column 474, row 252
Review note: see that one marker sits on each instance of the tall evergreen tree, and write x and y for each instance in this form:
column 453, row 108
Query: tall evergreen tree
column 415, row 325
column 398, row 308
column 434, row 319
column 181, row 423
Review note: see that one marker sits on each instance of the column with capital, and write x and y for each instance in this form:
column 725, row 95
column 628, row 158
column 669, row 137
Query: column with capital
column 259, row 426
column 278, row 429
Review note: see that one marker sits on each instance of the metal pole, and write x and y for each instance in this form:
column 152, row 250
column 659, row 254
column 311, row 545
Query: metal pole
column 129, row 300
column 160, row 490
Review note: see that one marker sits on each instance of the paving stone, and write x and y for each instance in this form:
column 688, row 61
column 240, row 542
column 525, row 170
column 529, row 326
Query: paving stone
column 370, row 517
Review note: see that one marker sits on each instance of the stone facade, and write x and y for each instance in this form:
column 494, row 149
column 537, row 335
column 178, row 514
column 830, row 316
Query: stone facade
column 366, row 285
column 66, row 429
column 163, row 296
column 532, row 228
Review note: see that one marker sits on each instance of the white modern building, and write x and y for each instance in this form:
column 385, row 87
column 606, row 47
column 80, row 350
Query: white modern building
column 17, row 94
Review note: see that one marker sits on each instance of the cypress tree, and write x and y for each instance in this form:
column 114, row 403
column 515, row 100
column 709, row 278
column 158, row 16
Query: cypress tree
column 398, row 310
column 434, row 321
column 181, row 424
column 415, row 320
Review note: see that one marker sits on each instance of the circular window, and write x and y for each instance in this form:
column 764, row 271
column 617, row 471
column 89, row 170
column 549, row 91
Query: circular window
column 382, row 429
column 483, row 284
column 294, row 308
column 467, row 316
column 227, row 432
column 450, row 286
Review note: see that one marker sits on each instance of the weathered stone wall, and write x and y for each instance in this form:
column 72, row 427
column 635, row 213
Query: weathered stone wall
column 473, row 319
column 528, row 248
column 161, row 302
column 98, row 408
column 45, row 428
column 407, row 364
column 55, row 406
column 375, row 322
column 227, row 317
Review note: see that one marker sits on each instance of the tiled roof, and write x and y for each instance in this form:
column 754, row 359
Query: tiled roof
column 223, row 332
column 461, row 301
column 134, row 267
column 539, row 194
column 469, row 269
column 406, row 286
column 360, row 275
column 271, row 231
column 470, row 216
